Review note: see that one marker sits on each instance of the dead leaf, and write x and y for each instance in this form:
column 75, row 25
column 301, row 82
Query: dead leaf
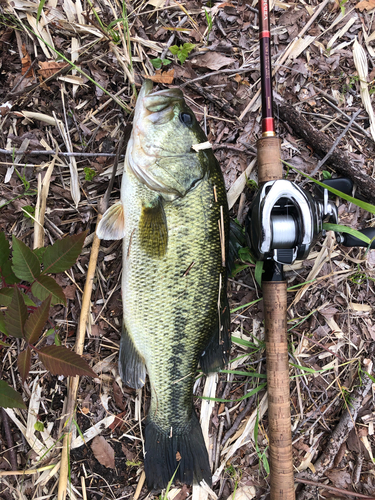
column 26, row 62
column 365, row 5
column 328, row 312
column 340, row 478
column 166, row 77
column 103, row 452
column 243, row 493
column 212, row 60
column 49, row 68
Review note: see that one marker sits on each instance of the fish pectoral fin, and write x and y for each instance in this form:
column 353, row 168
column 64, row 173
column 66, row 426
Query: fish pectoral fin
column 216, row 354
column 153, row 231
column 112, row 224
column 131, row 364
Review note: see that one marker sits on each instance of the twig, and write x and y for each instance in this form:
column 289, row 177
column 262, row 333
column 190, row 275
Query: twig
column 320, row 345
column 9, row 438
column 358, row 127
column 238, row 420
column 333, row 488
column 37, row 152
column 333, row 147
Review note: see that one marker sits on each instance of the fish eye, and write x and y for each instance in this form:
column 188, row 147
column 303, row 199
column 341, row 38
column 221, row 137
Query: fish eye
column 186, row 118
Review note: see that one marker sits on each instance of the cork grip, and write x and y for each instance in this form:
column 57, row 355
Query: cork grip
column 269, row 164
column 279, row 424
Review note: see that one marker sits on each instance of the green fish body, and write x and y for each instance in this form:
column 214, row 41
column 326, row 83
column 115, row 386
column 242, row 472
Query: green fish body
column 173, row 218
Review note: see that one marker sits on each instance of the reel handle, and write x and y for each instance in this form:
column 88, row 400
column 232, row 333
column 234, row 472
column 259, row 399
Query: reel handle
column 351, row 241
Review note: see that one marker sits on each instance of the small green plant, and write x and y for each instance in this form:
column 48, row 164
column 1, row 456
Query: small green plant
column 209, row 22
column 326, row 175
column 90, row 173
column 182, row 52
column 342, row 6
column 261, row 454
column 159, row 63
column 251, row 184
column 24, row 280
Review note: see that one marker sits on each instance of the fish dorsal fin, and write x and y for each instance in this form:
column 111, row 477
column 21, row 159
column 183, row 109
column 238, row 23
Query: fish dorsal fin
column 153, row 231
column 112, row 225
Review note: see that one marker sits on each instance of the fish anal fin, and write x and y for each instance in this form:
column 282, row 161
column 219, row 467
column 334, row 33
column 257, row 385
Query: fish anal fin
column 112, row 224
column 131, row 364
column 153, row 231
column 216, row 354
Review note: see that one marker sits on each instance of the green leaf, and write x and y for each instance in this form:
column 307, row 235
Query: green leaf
column 157, row 63
column 39, row 11
column 174, row 49
column 24, row 363
column 39, row 252
column 3, row 328
column 258, row 272
column 188, row 47
column 90, row 173
column 4, row 249
column 245, row 255
column 362, row 204
column 8, row 274
column 9, row 398
column 245, row 374
column 36, row 321
column 61, row 361
column 166, row 62
column 28, row 210
column 16, row 315
column 45, row 286
column 38, row 426
column 6, row 295
column 339, row 228
column 25, row 263
column 62, row 255
column 247, row 395
column 326, row 175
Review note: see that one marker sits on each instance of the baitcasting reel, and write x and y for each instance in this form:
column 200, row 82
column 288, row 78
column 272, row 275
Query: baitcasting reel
column 285, row 221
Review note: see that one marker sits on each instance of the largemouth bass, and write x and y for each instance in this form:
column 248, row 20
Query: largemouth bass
column 173, row 218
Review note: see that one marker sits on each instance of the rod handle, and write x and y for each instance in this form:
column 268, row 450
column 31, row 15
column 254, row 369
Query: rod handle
column 269, row 163
column 279, row 423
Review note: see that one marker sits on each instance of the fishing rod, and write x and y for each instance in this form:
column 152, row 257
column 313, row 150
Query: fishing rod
column 282, row 225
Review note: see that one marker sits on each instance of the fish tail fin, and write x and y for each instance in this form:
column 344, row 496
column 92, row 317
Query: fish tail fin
column 183, row 453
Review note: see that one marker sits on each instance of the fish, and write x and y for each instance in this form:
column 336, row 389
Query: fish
column 173, row 219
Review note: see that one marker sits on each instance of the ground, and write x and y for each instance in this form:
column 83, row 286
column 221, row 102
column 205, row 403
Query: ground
column 70, row 73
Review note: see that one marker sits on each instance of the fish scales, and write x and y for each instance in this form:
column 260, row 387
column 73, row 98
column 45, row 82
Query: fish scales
column 179, row 306
column 176, row 314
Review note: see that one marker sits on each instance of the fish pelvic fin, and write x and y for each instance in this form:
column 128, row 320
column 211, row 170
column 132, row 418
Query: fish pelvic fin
column 153, row 231
column 112, row 224
column 216, row 354
column 183, row 453
column 131, row 364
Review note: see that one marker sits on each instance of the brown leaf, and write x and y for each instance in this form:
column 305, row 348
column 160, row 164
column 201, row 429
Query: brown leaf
column 130, row 455
column 159, row 77
column 340, row 478
column 26, row 62
column 103, row 451
column 328, row 312
column 49, row 68
column 212, row 60
column 365, row 5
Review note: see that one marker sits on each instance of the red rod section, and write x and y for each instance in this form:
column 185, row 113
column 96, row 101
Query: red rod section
column 268, row 126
